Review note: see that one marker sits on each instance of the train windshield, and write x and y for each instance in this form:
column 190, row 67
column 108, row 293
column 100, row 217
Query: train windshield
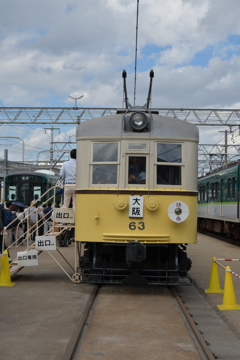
column 26, row 187
column 167, row 156
column 105, row 163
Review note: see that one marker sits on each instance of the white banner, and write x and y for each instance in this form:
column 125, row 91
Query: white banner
column 27, row 258
column 46, row 243
column 136, row 206
column 64, row 216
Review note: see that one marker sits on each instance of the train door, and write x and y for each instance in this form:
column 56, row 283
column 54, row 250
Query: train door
column 221, row 197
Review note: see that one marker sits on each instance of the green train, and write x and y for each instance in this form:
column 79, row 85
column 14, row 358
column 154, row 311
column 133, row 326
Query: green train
column 219, row 201
column 27, row 186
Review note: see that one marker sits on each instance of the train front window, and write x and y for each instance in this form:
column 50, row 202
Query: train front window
column 12, row 192
column 137, row 170
column 169, row 153
column 167, row 172
column 103, row 152
column 104, row 167
column 36, row 192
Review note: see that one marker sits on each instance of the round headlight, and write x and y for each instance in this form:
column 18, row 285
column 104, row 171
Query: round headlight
column 138, row 121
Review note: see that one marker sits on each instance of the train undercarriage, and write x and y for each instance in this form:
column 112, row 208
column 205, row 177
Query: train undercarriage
column 135, row 263
column 224, row 228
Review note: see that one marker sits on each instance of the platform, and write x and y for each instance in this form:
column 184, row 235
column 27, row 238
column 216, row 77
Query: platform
column 38, row 314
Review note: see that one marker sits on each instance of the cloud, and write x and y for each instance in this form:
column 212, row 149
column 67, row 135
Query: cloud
column 51, row 49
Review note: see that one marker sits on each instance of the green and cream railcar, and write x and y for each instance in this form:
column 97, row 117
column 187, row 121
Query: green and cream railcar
column 218, row 201
column 136, row 226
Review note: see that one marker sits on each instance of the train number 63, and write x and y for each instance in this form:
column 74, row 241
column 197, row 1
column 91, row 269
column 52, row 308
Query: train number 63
column 133, row 225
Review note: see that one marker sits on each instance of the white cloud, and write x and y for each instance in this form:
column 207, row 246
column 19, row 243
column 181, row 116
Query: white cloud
column 50, row 49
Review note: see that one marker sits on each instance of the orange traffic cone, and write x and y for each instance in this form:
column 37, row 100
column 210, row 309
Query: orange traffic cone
column 214, row 283
column 229, row 298
column 5, row 278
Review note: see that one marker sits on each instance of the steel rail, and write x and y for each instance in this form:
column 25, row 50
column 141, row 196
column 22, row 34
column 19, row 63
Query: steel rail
column 190, row 321
column 79, row 328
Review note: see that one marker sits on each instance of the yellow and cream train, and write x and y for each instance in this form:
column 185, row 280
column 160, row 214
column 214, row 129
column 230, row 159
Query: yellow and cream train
column 136, row 197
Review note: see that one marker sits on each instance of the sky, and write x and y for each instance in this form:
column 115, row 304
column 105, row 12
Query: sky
column 50, row 49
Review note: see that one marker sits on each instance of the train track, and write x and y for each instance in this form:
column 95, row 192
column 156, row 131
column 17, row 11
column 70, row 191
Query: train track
column 224, row 238
column 88, row 340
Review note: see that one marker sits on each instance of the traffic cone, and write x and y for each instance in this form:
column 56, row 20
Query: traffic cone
column 5, row 278
column 229, row 298
column 214, row 283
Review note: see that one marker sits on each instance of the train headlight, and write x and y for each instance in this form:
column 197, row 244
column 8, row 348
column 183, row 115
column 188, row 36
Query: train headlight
column 138, row 121
column 178, row 211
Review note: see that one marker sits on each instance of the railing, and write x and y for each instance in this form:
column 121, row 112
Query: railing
column 29, row 233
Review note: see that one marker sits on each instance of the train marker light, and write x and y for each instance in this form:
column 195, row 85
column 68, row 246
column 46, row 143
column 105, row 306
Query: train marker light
column 178, row 211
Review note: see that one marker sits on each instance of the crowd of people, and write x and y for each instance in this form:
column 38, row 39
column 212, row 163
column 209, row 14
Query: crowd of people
column 35, row 218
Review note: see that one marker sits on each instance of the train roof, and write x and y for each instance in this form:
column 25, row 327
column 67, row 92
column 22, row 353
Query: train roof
column 162, row 127
column 40, row 174
column 221, row 171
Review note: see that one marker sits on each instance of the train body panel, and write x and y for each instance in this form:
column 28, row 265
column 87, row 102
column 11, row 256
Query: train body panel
column 136, row 157
column 108, row 219
column 218, row 202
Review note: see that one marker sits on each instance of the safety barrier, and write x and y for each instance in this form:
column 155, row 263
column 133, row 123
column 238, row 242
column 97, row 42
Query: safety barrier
column 5, row 277
column 229, row 297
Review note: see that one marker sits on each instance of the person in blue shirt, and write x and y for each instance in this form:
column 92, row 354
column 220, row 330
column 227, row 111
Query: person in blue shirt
column 68, row 173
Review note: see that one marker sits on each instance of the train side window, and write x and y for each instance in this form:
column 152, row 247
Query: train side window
column 234, row 183
column 213, row 191
column 203, row 193
column 229, row 188
column 104, row 163
column 216, row 190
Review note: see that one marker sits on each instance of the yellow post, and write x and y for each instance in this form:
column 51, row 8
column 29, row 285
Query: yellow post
column 229, row 298
column 5, row 277
column 214, row 283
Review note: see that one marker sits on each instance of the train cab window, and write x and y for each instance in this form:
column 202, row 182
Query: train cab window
column 105, row 163
column 12, row 193
column 166, row 173
column 137, row 170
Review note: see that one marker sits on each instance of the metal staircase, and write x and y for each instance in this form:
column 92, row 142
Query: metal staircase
column 60, row 224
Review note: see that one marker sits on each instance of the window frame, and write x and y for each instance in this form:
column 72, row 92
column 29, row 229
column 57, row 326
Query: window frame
column 165, row 163
column 94, row 163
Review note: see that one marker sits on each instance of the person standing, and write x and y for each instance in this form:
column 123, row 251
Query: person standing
column 47, row 213
column 7, row 219
column 2, row 247
column 68, row 173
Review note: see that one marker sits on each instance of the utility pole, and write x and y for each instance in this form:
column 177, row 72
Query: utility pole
column 51, row 144
column 226, row 146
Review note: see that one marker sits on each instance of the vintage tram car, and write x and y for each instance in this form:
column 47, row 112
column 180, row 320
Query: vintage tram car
column 219, row 202
column 136, row 197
